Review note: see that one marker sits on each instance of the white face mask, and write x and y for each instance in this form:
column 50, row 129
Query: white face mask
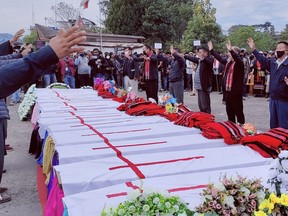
column 126, row 53
column 107, row 57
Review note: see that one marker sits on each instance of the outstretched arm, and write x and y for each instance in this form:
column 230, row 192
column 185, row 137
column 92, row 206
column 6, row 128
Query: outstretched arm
column 216, row 55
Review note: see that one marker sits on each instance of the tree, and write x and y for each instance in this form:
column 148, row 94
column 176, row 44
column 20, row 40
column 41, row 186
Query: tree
column 181, row 12
column 31, row 38
column 263, row 40
column 284, row 34
column 203, row 26
column 157, row 22
column 125, row 17
column 64, row 14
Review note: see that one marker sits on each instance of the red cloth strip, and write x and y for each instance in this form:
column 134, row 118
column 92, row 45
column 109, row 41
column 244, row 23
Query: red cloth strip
column 187, row 188
column 74, row 108
column 118, row 152
column 132, row 145
column 159, row 162
column 116, row 195
column 103, row 123
column 58, row 95
column 128, row 131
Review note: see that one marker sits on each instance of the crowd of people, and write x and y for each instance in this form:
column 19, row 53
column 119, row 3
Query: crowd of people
column 234, row 74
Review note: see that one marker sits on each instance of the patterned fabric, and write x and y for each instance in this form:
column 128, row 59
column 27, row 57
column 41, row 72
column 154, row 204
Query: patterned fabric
column 194, row 119
column 231, row 133
column 268, row 144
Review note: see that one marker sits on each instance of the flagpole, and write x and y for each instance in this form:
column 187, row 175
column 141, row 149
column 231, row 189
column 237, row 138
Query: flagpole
column 101, row 39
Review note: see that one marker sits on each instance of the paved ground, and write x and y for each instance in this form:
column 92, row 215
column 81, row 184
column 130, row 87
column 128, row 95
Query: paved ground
column 21, row 167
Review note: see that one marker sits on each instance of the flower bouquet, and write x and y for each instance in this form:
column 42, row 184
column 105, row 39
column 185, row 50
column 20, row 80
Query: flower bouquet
column 58, row 86
column 27, row 103
column 230, row 196
column 250, row 128
column 150, row 204
column 278, row 173
column 169, row 102
column 273, row 205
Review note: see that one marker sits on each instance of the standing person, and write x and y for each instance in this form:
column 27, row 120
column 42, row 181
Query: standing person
column 189, row 71
column 203, row 77
column 50, row 75
column 83, row 69
column 176, row 75
column 130, row 70
column 15, row 74
column 167, row 66
column 233, row 76
column 66, row 66
column 278, row 86
column 97, row 63
column 118, row 72
column 150, row 72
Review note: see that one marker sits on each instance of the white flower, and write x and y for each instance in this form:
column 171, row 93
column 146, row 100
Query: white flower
column 146, row 208
column 220, row 186
column 132, row 209
column 229, row 200
column 133, row 195
column 283, row 154
column 284, row 164
column 245, row 190
column 176, row 208
column 282, row 177
column 260, row 196
column 168, row 205
column 121, row 212
column 273, row 173
column 156, row 200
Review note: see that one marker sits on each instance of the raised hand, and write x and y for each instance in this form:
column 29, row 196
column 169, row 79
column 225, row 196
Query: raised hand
column 172, row 49
column 286, row 80
column 63, row 43
column 26, row 50
column 17, row 35
column 210, row 45
column 251, row 43
column 229, row 45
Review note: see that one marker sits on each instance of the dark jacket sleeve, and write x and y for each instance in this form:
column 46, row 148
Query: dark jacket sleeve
column 5, row 48
column 236, row 57
column 265, row 63
column 11, row 56
column 180, row 60
column 218, row 57
column 16, row 74
column 192, row 59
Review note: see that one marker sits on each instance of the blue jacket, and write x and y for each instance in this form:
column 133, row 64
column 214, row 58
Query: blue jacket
column 14, row 75
column 4, row 112
column 278, row 87
column 177, row 69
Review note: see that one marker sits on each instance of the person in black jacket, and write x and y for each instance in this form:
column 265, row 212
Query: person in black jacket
column 233, row 76
column 97, row 64
column 203, row 77
column 130, row 70
column 150, row 72
column 176, row 75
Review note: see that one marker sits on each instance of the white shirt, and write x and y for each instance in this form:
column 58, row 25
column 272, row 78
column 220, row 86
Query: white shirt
column 280, row 62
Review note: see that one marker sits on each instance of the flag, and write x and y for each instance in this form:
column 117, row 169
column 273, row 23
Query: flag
column 84, row 4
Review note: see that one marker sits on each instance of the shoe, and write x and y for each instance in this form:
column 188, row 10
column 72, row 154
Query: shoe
column 4, row 198
column 11, row 103
column 220, row 92
column 4, row 171
column 193, row 94
column 223, row 102
column 3, row 189
column 244, row 98
column 9, row 148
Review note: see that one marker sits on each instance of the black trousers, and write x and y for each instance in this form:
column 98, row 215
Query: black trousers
column 204, row 101
column 234, row 107
column 2, row 146
column 152, row 89
column 83, row 79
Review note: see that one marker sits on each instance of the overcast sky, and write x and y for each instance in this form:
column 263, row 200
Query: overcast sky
column 17, row 14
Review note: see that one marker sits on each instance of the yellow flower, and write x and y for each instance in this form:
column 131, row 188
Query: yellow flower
column 274, row 199
column 266, row 204
column 284, row 199
column 260, row 213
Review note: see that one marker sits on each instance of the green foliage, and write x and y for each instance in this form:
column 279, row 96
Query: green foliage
column 31, row 39
column 264, row 41
column 157, row 22
column 203, row 26
column 125, row 17
column 284, row 34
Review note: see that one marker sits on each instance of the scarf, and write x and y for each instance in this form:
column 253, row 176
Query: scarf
column 147, row 67
column 229, row 80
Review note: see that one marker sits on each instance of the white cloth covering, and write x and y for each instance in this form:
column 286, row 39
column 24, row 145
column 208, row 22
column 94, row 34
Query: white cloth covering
column 187, row 186
column 94, row 174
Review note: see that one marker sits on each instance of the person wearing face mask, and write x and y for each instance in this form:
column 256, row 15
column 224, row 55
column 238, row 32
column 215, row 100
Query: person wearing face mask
column 97, row 63
column 232, row 82
column 278, row 85
column 203, row 77
column 83, row 69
